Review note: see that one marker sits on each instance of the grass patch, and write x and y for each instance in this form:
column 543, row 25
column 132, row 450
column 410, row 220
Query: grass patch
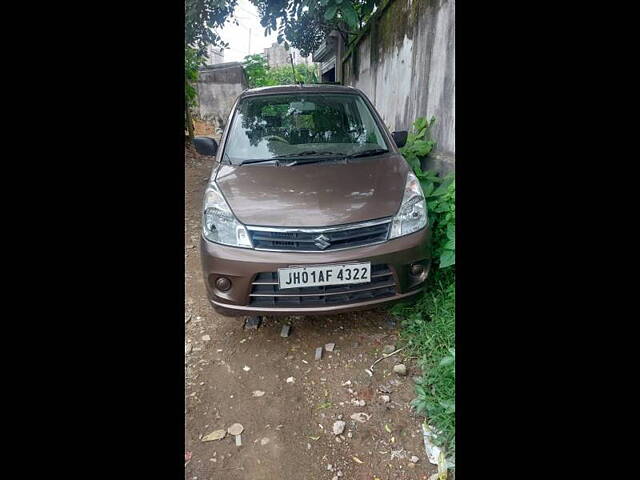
column 428, row 330
column 428, row 325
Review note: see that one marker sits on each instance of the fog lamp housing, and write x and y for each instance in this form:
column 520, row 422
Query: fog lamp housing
column 223, row 284
column 417, row 269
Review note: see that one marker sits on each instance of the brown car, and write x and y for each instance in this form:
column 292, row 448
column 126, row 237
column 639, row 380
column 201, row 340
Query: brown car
column 310, row 207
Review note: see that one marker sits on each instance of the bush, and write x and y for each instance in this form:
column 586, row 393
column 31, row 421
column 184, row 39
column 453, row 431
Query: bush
column 428, row 325
column 440, row 194
column 259, row 74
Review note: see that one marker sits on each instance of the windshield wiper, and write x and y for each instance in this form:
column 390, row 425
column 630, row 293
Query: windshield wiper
column 303, row 154
column 368, row 153
column 305, row 161
column 316, row 157
column 260, row 160
column 275, row 160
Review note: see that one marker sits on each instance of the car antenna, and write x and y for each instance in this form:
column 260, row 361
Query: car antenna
column 295, row 80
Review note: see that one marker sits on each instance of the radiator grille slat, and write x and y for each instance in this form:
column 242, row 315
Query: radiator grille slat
column 308, row 240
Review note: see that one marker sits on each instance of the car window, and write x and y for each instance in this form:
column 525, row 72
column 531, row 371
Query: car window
column 270, row 126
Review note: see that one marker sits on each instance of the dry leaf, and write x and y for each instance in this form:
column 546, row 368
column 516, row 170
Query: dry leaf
column 215, row 435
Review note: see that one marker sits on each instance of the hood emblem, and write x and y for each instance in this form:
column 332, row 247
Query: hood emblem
column 321, row 241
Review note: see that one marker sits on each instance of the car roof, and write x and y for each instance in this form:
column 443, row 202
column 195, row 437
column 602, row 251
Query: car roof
column 306, row 88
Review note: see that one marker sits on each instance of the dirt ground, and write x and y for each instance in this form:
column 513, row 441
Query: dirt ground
column 200, row 127
column 288, row 429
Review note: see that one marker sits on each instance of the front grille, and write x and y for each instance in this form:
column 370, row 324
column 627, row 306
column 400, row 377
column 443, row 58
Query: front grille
column 265, row 291
column 319, row 239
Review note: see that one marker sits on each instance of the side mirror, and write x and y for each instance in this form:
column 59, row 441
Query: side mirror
column 400, row 138
column 205, row 146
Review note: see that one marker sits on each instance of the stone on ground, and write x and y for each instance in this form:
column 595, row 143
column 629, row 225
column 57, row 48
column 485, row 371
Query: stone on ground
column 286, row 329
column 387, row 349
column 235, row 429
column 253, row 322
column 338, row 427
column 400, row 369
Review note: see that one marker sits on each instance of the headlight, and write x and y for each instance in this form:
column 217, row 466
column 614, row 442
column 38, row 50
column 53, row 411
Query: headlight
column 219, row 225
column 412, row 215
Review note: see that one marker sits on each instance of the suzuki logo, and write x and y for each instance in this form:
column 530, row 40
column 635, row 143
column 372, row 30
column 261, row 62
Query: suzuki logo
column 321, row 242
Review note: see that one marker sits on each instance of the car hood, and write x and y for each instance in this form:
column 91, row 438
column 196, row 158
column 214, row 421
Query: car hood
column 316, row 194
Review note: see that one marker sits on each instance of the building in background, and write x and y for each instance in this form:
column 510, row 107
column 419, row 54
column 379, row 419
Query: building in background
column 278, row 56
column 214, row 56
column 327, row 54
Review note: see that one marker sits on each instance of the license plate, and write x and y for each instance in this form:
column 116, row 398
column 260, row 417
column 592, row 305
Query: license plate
column 318, row 275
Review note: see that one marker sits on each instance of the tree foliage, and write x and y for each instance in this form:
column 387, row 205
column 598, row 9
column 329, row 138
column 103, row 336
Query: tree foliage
column 305, row 23
column 192, row 62
column 260, row 75
column 255, row 66
column 201, row 18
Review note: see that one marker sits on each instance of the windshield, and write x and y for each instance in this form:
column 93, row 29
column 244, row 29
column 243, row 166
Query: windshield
column 315, row 124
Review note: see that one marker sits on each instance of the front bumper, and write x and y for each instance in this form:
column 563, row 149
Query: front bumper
column 242, row 266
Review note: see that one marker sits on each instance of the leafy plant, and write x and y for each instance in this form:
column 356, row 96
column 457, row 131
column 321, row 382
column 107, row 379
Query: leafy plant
column 255, row 66
column 260, row 75
column 418, row 146
column 192, row 60
column 428, row 325
column 439, row 192
column 202, row 18
column 284, row 76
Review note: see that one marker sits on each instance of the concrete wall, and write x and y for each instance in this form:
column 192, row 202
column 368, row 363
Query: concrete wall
column 405, row 63
column 218, row 87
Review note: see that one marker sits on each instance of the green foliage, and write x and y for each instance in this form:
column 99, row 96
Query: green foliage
column 428, row 326
column 191, row 63
column 305, row 23
column 260, row 75
column 428, row 329
column 441, row 205
column 417, row 145
column 440, row 193
column 255, row 66
column 284, row 75
column 351, row 12
column 201, row 18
